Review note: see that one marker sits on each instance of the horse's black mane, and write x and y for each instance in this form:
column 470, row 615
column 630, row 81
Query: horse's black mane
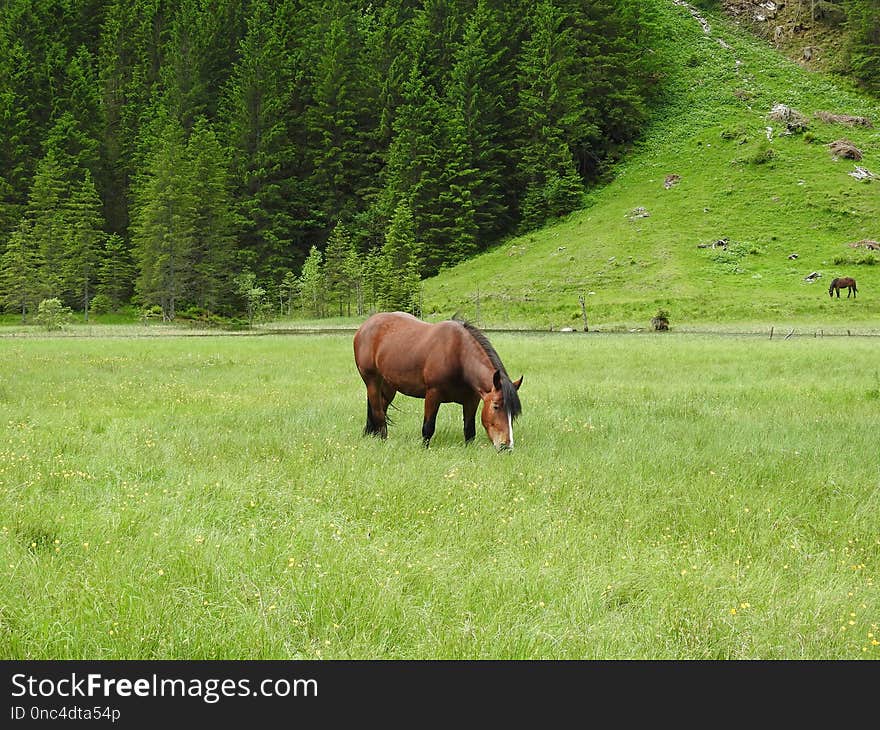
column 511, row 398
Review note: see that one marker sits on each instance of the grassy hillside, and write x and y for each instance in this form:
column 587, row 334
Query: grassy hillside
column 770, row 199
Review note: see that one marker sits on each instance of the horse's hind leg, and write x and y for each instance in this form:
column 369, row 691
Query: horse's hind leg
column 432, row 405
column 372, row 427
column 376, row 422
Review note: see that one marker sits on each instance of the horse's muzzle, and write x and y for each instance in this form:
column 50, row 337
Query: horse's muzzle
column 503, row 448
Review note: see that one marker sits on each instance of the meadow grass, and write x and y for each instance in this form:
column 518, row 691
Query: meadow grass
column 670, row 497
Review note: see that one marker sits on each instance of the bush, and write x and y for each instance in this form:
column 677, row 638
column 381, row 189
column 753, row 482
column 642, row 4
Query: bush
column 52, row 314
column 738, row 133
column 196, row 313
column 201, row 316
column 660, row 321
column 757, row 153
column 761, row 153
column 149, row 312
column 100, row 304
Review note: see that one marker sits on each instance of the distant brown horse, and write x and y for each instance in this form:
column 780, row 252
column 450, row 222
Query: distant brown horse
column 446, row 362
column 844, row 282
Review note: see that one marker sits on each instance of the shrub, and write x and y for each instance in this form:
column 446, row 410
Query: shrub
column 100, row 304
column 738, row 133
column 660, row 321
column 761, row 153
column 757, row 153
column 149, row 312
column 52, row 314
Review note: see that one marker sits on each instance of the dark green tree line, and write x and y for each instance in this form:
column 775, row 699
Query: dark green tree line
column 155, row 151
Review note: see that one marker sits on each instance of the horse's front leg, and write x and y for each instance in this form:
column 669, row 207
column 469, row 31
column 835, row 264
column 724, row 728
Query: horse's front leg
column 432, row 405
column 469, row 409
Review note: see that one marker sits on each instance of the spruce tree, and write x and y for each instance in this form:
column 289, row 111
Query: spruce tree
column 115, row 271
column 374, row 277
column 264, row 112
column 213, row 223
column 548, row 103
column 478, row 90
column 288, row 290
column 400, row 263
column 17, row 130
column 425, row 173
column 337, row 284
column 129, row 61
column 311, row 283
column 337, row 155
column 81, row 102
column 863, row 45
column 353, row 268
column 83, row 245
column 163, row 225
column 48, row 228
column 20, row 278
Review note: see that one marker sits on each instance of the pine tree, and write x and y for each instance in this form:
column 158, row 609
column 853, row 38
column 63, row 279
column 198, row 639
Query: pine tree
column 863, row 25
column 400, row 264
column 311, row 283
column 424, row 173
column 129, row 61
column 16, row 127
column 274, row 190
column 548, row 103
column 74, row 149
column 478, row 90
column 611, row 75
column 337, row 155
column 84, row 236
column 45, row 214
column 115, row 271
column 353, row 267
column 374, row 277
column 163, row 225
column 20, row 284
column 337, row 285
column 214, row 223
column 288, row 290
column 80, row 123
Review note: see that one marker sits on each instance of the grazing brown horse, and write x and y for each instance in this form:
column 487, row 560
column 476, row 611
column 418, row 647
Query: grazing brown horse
column 844, row 282
column 446, row 362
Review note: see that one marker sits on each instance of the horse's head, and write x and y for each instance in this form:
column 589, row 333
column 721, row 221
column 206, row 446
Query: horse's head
column 501, row 406
column 831, row 287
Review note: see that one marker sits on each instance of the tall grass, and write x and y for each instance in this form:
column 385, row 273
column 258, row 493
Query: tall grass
column 669, row 497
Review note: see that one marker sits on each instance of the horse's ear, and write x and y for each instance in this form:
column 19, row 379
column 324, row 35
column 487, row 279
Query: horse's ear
column 517, row 383
column 496, row 380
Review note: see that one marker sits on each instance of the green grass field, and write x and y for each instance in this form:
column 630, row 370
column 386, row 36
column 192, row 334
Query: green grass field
column 670, row 496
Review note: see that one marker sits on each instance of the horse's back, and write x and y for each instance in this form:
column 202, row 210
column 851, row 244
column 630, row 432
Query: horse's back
column 394, row 330
column 407, row 352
